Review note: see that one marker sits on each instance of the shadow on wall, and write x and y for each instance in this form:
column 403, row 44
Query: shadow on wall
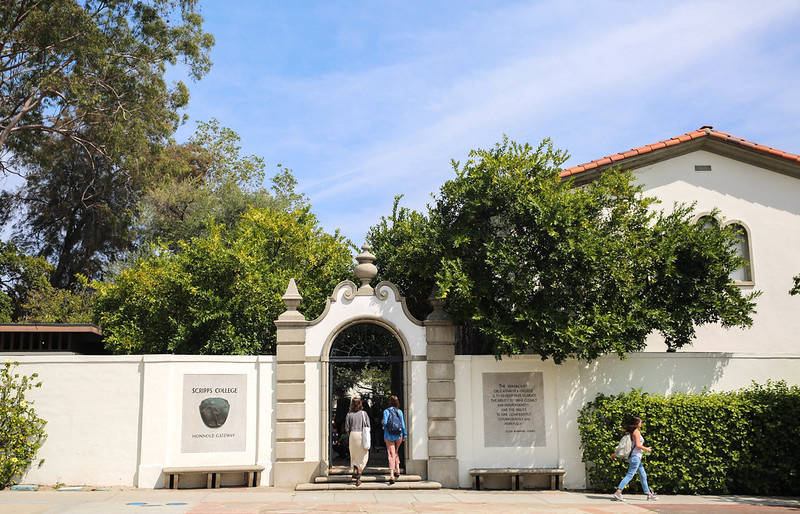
column 739, row 185
column 664, row 373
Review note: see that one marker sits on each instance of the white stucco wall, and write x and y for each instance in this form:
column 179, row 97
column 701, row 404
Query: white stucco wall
column 92, row 406
column 116, row 420
column 767, row 204
column 569, row 386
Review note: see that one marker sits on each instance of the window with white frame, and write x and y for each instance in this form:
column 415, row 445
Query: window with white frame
column 744, row 274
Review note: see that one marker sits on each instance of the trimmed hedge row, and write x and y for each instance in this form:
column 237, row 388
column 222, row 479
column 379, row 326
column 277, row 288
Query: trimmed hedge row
column 740, row 442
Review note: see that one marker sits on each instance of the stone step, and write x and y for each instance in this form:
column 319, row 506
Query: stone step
column 369, row 470
column 343, row 479
column 369, row 486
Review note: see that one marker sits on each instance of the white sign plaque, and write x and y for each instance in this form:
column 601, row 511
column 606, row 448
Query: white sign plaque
column 513, row 409
column 214, row 413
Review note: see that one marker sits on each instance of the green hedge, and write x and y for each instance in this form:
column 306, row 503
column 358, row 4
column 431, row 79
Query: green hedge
column 740, row 442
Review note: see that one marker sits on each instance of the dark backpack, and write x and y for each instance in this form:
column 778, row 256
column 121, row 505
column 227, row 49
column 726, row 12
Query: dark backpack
column 394, row 426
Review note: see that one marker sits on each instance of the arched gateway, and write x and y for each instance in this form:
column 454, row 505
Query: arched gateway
column 419, row 354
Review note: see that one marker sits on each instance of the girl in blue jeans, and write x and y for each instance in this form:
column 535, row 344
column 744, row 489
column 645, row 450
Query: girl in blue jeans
column 635, row 461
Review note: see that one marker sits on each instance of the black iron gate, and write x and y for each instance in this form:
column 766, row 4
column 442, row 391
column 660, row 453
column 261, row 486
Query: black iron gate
column 365, row 359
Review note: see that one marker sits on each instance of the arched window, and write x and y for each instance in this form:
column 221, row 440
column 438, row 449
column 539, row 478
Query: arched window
column 745, row 273
column 707, row 221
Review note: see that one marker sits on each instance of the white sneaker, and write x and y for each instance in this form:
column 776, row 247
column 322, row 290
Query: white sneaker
column 618, row 496
column 651, row 497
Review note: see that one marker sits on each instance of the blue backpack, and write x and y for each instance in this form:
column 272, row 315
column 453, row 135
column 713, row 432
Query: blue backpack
column 394, row 426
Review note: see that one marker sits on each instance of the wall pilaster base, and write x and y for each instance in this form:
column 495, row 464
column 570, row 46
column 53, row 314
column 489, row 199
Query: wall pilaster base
column 444, row 471
column 417, row 467
column 289, row 474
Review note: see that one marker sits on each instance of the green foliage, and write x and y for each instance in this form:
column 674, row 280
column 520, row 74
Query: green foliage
column 690, row 265
column 49, row 304
column 84, row 106
column 796, row 289
column 207, row 179
column 93, row 72
column 709, row 443
column 529, row 263
column 400, row 244
column 20, row 274
column 370, row 381
column 74, row 209
column 21, row 430
column 221, row 293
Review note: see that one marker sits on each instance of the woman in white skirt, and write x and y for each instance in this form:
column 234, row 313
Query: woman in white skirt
column 355, row 422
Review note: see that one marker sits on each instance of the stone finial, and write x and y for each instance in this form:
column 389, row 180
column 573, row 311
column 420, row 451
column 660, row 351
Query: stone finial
column 438, row 304
column 291, row 298
column 365, row 270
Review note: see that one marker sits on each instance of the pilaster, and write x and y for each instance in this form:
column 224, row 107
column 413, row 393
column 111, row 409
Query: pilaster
column 440, row 357
column 290, row 466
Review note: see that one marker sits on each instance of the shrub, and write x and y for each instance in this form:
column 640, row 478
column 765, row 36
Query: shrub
column 707, row 443
column 21, row 430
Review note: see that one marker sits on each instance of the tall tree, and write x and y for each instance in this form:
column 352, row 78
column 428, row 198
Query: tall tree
column 73, row 210
column 221, row 293
column 84, row 108
column 403, row 247
column 92, row 71
column 82, row 215
column 20, row 274
column 530, row 263
column 208, row 179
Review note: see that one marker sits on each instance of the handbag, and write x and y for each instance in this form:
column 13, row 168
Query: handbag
column 366, row 439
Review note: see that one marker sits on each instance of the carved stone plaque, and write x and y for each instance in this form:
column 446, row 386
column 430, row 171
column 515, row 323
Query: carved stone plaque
column 214, row 413
column 513, row 409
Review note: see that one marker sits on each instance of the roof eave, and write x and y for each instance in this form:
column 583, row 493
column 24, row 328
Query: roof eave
column 710, row 144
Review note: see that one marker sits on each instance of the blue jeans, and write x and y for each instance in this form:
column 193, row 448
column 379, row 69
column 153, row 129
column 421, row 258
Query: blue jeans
column 634, row 465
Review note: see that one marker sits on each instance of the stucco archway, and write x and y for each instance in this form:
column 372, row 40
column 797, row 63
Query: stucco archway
column 302, row 398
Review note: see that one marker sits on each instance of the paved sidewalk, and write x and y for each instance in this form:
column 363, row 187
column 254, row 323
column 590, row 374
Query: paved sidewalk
column 281, row 500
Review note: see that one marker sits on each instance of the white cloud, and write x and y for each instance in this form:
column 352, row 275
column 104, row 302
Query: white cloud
column 593, row 75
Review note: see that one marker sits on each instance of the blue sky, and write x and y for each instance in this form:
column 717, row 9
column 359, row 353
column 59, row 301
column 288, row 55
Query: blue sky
column 365, row 100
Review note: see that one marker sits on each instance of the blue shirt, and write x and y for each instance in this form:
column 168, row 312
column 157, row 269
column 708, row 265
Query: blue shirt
column 386, row 434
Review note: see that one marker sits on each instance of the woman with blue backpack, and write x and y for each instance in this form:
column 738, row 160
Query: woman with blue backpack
column 394, row 433
column 635, row 448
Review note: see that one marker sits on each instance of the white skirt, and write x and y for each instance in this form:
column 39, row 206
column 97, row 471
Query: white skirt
column 358, row 455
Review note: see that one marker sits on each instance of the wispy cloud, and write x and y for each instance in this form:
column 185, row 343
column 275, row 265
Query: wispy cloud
column 379, row 102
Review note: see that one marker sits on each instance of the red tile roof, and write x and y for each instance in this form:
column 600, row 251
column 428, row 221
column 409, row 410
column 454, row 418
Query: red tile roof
column 705, row 131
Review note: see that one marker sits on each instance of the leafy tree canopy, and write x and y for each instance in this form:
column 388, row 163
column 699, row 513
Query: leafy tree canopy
column 84, row 111
column 20, row 274
column 48, row 304
column 221, row 293
column 74, row 210
column 92, row 71
column 529, row 263
column 207, row 179
column 82, row 213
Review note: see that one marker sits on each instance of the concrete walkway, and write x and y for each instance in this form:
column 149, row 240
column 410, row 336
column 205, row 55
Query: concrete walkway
column 279, row 500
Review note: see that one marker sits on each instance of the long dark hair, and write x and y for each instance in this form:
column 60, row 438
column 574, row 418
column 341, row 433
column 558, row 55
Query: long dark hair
column 632, row 424
column 394, row 402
